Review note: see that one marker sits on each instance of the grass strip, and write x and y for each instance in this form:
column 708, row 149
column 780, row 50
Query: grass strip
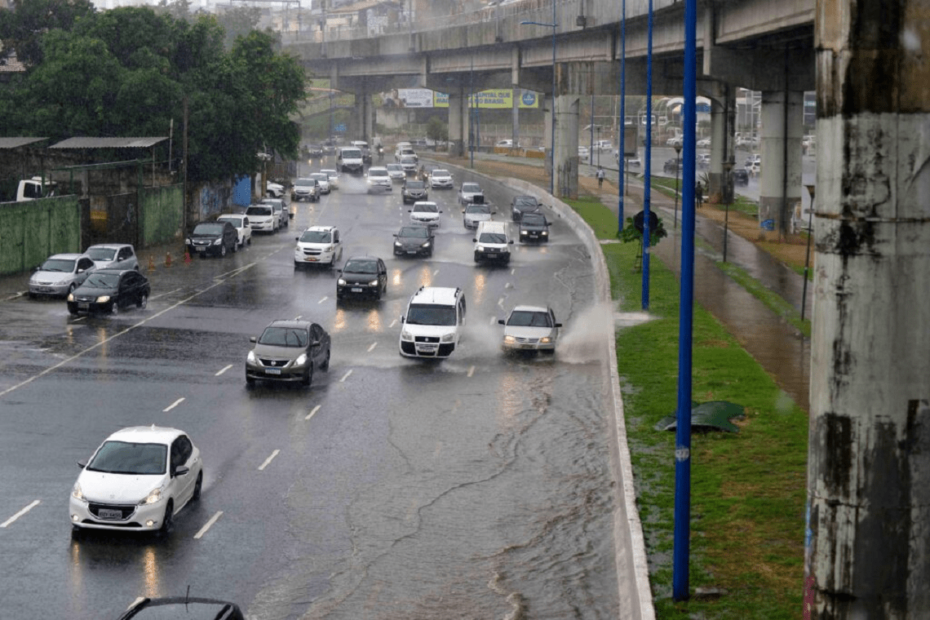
column 748, row 489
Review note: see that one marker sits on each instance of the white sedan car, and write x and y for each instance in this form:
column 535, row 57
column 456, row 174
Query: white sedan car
column 322, row 179
column 530, row 328
column 333, row 177
column 378, row 180
column 425, row 213
column 468, row 192
column 440, row 179
column 137, row 480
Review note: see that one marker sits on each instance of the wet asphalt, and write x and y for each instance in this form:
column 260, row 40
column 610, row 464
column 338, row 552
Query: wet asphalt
column 473, row 488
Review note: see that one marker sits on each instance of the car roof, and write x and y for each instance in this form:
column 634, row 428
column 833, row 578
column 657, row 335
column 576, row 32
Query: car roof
column 438, row 295
column 529, row 309
column 435, row 170
column 377, row 168
column 113, row 246
column 292, row 323
column 146, row 434
column 494, row 226
column 320, row 228
column 363, row 257
column 67, row 256
column 327, row 170
column 425, row 202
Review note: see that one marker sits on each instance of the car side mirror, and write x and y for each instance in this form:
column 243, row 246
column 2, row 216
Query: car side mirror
column 402, row 319
column 181, row 470
column 558, row 325
column 296, row 238
column 409, row 210
column 501, row 322
column 475, row 240
column 510, row 242
column 440, row 211
column 253, row 339
column 339, row 270
column 82, row 464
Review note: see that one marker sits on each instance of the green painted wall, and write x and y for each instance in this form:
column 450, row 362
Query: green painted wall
column 161, row 214
column 31, row 231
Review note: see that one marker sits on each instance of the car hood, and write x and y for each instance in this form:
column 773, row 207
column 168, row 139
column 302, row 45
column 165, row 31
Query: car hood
column 434, row 331
column 52, row 277
column 303, row 245
column 412, row 242
column 205, row 235
column 424, row 216
column 90, row 291
column 118, row 488
column 280, row 353
column 528, row 332
column 533, row 227
column 478, row 217
column 352, row 278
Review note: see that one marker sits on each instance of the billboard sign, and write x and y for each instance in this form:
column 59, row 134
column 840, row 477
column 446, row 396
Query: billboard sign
column 487, row 99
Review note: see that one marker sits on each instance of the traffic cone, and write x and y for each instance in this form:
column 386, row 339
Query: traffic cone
column 151, row 264
column 167, row 259
column 187, row 258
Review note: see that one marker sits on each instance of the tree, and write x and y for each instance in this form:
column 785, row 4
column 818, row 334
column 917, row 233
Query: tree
column 437, row 130
column 238, row 22
column 25, row 24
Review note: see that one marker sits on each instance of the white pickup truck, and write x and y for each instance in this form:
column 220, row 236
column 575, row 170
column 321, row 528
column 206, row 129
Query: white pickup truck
column 35, row 188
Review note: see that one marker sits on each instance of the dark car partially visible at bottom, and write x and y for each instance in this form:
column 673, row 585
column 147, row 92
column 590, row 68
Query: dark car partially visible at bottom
column 186, row 607
column 534, row 227
column 110, row 290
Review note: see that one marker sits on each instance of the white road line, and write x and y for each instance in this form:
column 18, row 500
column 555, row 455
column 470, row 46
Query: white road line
column 312, row 412
column 435, row 273
column 223, row 370
column 173, row 405
column 345, row 376
column 393, row 323
column 322, row 300
column 500, row 302
column 20, row 513
column 268, row 460
column 165, row 294
column 113, row 337
column 208, row 525
column 493, row 320
column 471, row 371
column 512, row 271
column 372, row 347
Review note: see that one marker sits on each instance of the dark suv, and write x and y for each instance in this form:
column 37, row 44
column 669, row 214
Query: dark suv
column 414, row 191
column 213, row 238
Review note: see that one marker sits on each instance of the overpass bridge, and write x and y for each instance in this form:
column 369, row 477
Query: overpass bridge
column 762, row 45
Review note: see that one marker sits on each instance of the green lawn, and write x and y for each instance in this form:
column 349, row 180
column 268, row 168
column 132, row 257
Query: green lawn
column 748, row 489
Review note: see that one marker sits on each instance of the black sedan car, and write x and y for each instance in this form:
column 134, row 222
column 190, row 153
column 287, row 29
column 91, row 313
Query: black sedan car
column 523, row 204
column 534, row 227
column 414, row 191
column 182, row 607
column 362, row 276
column 740, row 176
column 315, row 151
column 215, row 238
column 671, row 165
column 110, row 290
column 413, row 241
column 288, row 351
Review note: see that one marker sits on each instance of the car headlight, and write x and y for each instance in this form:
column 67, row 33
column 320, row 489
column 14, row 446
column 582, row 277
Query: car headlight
column 218, row 241
column 522, row 232
column 103, row 299
column 152, row 497
column 425, row 245
column 406, row 336
column 545, row 232
column 545, row 340
column 398, row 244
column 373, row 282
column 509, row 339
column 447, row 338
column 251, row 357
column 76, row 492
column 480, row 248
column 70, row 296
column 300, row 361
column 341, row 282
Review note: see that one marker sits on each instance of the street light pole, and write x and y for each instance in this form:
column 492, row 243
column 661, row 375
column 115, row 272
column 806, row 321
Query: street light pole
column 554, row 27
column 677, row 170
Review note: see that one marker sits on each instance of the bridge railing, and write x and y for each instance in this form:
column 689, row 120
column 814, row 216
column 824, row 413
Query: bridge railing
column 487, row 14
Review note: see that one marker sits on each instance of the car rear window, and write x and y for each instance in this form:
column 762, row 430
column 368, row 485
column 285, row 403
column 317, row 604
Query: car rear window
column 258, row 211
column 101, row 253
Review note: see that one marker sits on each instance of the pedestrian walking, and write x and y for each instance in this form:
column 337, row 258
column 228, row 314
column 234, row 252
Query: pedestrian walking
column 600, row 177
column 698, row 195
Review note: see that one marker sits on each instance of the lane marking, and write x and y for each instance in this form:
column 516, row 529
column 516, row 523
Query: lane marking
column 435, row 273
column 223, row 370
column 393, row 323
column 513, row 270
column 493, row 320
column 173, row 405
column 208, row 525
column 322, row 300
column 114, row 336
column 372, row 347
column 471, row 371
column 80, row 318
column 20, row 513
column 312, row 412
column 165, row 294
column 500, row 302
column 346, row 376
column 268, row 460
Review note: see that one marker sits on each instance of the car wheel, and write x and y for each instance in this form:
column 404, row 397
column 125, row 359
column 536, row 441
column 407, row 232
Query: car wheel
column 72, row 311
column 308, row 377
column 167, row 520
column 248, row 241
column 143, row 300
column 235, row 247
column 76, row 532
column 324, row 365
column 198, row 487
column 223, row 251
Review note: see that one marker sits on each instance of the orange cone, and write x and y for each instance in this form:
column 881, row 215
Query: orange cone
column 167, row 259
column 151, row 264
column 187, row 258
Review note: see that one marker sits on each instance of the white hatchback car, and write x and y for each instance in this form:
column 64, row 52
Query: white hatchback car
column 396, row 172
column 530, row 328
column 425, row 213
column 262, row 218
column 113, row 256
column 137, row 480
column 318, row 245
column 378, row 180
column 322, row 180
column 440, row 179
column 333, row 177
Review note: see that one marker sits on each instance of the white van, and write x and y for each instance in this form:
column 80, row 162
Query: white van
column 433, row 324
column 350, row 160
column 492, row 242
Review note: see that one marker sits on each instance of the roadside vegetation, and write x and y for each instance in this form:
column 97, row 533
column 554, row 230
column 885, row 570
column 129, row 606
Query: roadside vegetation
column 748, row 489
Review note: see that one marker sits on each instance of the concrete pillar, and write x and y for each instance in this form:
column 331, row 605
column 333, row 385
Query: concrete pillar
column 547, row 104
column 780, row 183
column 719, row 141
column 868, row 482
column 517, row 95
column 364, row 116
column 458, row 102
column 567, row 108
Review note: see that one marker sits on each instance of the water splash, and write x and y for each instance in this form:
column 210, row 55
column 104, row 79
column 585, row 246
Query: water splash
column 584, row 335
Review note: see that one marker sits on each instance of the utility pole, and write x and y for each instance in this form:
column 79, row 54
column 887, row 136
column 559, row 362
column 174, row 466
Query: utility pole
column 867, row 553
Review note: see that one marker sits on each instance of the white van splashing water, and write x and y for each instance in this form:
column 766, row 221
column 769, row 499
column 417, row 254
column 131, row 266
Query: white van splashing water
column 584, row 335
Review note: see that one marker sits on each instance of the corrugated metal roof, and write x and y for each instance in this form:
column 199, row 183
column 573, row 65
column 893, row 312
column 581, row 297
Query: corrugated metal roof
column 15, row 143
column 108, row 143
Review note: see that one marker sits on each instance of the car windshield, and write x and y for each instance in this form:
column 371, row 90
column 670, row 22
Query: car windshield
column 471, row 187
column 440, row 173
column 122, row 457
column 305, row 182
column 529, row 318
column 102, row 280
column 487, row 237
column 58, row 264
column 421, row 314
column 258, row 211
column 395, row 167
column 525, row 201
column 418, row 232
column 319, row 176
column 425, row 207
column 534, row 219
column 235, row 221
column 407, row 159
column 415, row 184
column 478, row 209
column 315, row 236
column 351, row 154
column 208, row 229
column 361, row 266
column 285, row 337
column 101, row 253
column 374, row 172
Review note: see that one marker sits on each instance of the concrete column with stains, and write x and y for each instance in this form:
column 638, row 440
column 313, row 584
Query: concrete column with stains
column 567, row 109
column 363, row 114
column 868, row 521
column 722, row 104
column 780, row 148
column 457, row 126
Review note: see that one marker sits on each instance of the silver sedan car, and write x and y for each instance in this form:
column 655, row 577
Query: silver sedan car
column 530, row 328
column 60, row 274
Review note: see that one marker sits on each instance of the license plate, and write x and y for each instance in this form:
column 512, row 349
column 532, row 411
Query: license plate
column 83, row 305
column 428, row 347
column 109, row 513
column 311, row 259
column 411, row 251
column 200, row 249
column 273, row 371
column 44, row 289
column 356, row 290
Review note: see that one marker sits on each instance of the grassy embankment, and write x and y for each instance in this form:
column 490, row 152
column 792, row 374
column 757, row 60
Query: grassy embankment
column 748, row 489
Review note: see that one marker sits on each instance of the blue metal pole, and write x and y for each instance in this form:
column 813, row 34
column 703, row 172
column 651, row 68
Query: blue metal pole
column 682, row 532
column 622, row 158
column 647, row 193
column 552, row 141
